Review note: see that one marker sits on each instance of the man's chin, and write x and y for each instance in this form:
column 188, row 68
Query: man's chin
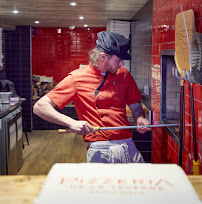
column 113, row 72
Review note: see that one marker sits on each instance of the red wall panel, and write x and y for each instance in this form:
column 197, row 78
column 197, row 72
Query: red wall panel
column 56, row 54
column 164, row 13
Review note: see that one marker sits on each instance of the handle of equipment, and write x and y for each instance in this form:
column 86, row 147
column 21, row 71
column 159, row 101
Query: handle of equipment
column 65, row 130
column 70, row 131
column 121, row 127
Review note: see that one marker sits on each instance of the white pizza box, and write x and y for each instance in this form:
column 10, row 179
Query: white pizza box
column 117, row 184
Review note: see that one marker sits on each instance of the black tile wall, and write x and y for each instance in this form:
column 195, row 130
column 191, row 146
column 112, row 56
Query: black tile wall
column 17, row 65
column 3, row 71
column 143, row 143
column 141, row 48
column 40, row 124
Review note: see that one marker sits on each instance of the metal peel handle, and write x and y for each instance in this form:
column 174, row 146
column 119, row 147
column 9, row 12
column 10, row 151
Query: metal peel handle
column 122, row 127
column 70, row 131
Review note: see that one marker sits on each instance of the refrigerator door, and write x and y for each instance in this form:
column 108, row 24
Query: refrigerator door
column 4, row 143
column 3, row 155
column 8, row 143
column 12, row 148
column 19, row 142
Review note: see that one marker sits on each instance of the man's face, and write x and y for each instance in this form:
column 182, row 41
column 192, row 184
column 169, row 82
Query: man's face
column 113, row 64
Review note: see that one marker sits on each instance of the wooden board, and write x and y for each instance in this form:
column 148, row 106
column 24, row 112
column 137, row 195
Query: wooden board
column 23, row 189
column 181, row 43
column 20, row 189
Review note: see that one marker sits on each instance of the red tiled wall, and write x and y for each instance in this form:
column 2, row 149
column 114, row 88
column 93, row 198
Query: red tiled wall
column 164, row 149
column 56, row 54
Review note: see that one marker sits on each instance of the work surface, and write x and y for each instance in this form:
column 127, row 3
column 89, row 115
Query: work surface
column 23, row 189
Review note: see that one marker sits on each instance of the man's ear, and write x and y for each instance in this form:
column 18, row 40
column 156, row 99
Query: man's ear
column 103, row 57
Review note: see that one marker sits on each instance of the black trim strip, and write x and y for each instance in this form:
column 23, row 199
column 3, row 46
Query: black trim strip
column 103, row 81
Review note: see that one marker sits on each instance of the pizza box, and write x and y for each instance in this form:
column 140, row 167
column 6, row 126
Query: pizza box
column 117, row 184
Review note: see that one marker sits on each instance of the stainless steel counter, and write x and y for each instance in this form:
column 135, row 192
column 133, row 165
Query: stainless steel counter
column 6, row 107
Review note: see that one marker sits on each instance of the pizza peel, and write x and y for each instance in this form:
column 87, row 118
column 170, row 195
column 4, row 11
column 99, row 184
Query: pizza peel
column 184, row 30
column 184, row 27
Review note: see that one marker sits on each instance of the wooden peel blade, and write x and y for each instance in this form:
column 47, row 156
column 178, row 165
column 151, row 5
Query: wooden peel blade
column 181, row 41
column 122, row 127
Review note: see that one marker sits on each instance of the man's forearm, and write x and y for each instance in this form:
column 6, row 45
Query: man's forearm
column 137, row 111
column 47, row 112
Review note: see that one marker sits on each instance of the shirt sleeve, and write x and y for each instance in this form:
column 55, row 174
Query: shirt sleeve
column 133, row 94
column 64, row 92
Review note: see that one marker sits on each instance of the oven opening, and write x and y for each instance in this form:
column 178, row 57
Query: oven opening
column 170, row 93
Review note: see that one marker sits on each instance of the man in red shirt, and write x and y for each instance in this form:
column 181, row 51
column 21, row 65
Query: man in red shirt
column 100, row 92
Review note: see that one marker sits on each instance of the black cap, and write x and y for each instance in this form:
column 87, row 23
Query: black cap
column 113, row 44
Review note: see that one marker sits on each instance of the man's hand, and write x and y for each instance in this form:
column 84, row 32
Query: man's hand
column 143, row 121
column 139, row 117
column 82, row 127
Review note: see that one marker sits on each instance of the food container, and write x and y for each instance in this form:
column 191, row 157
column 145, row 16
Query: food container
column 5, row 97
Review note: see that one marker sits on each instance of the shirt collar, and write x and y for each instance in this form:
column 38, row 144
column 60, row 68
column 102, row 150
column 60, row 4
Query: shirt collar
column 94, row 70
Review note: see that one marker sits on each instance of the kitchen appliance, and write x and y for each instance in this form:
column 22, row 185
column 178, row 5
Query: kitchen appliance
column 19, row 141
column 5, row 97
column 8, row 142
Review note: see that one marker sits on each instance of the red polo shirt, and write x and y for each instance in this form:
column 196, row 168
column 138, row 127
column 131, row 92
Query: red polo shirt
column 107, row 108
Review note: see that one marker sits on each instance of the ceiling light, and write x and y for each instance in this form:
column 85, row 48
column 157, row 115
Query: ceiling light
column 59, row 30
column 73, row 4
column 15, row 11
column 71, row 27
column 85, row 25
column 81, row 17
column 36, row 22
